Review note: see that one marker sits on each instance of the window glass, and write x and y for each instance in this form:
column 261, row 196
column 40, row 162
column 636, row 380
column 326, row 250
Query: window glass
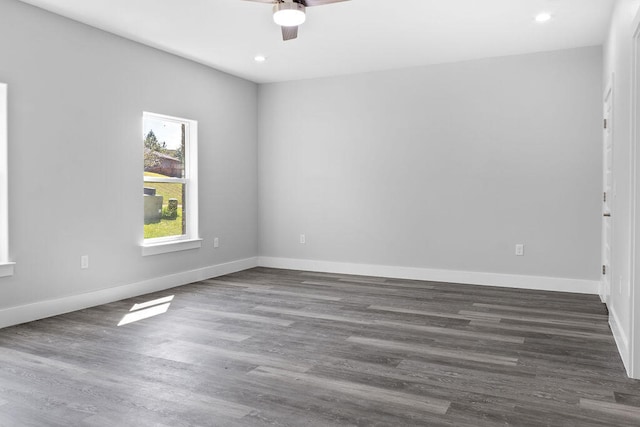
column 168, row 184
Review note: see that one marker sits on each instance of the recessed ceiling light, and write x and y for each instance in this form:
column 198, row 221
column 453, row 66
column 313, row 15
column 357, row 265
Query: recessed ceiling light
column 260, row 58
column 543, row 17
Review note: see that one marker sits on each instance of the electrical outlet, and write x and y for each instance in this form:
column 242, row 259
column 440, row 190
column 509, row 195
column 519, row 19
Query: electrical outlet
column 303, row 239
column 620, row 285
column 519, row 249
column 216, row 242
column 84, row 262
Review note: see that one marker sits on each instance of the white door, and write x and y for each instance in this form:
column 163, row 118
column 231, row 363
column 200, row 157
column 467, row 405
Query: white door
column 607, row 196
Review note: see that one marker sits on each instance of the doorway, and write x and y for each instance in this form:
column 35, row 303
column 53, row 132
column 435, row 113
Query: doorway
column 607, row 193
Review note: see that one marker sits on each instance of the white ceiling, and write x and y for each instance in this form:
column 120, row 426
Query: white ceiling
column 343, row 38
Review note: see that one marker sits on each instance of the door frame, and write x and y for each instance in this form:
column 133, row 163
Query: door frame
column 634, row 267
column 605, row 291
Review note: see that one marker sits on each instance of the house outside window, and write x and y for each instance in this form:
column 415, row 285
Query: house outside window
column 170, row 184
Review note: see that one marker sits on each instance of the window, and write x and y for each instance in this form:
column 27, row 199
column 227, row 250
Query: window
column 6, row 267
column 170, row 184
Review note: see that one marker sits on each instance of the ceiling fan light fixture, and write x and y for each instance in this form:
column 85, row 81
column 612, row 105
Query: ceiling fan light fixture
column 289, row 14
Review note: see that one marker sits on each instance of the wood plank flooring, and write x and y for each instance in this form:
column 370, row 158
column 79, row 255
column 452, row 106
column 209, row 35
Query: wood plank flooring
column 287, row 348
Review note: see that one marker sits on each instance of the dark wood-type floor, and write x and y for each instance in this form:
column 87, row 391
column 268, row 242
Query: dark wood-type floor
column 278, row 347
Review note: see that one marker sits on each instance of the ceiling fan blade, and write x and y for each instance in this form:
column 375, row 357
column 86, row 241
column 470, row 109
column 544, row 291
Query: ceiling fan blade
column 309, row 3
column 289, row 33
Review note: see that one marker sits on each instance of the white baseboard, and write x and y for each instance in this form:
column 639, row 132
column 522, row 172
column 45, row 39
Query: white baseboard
column 603, row 292
column 578, row 286
column 622, row 342
column 40, row 310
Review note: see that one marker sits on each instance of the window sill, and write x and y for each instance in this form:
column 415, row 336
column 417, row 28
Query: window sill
column 6, row 269
column 166, row 247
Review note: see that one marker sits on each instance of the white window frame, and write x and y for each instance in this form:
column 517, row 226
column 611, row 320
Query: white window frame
column 191, row 239
column 6, row 267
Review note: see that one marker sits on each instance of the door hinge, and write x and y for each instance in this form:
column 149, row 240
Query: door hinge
column 604, row 269
column 605, row 123
column 604, row 197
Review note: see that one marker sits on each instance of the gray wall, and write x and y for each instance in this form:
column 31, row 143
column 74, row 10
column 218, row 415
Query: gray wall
column 76, row 97
column 444, row 167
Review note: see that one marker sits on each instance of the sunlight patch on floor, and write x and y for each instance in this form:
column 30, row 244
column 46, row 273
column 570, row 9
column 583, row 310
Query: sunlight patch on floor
column 152, row 303
column 146, row 310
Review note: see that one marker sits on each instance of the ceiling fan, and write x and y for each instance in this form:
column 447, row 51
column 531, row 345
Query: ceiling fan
column 289, row 14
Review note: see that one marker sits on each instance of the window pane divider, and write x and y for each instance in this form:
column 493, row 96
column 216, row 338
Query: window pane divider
column 166, row 180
